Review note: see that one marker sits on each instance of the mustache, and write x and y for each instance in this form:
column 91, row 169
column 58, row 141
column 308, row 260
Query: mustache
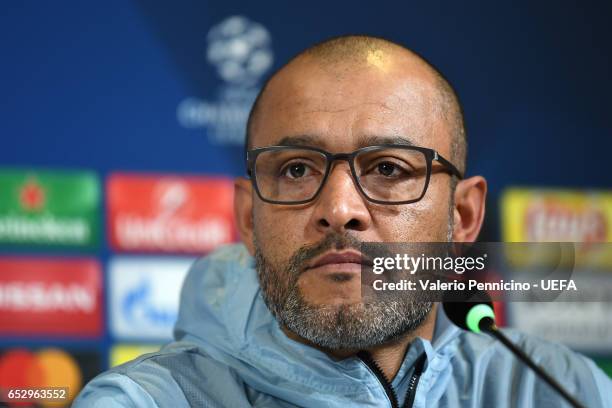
column 332, row 240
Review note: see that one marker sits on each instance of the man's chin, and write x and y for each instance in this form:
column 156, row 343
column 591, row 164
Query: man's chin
column 330, row 290
column 332, row 326
column 356, row 325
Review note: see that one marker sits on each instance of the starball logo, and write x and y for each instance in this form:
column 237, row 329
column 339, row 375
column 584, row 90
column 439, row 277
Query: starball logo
column 240, row 51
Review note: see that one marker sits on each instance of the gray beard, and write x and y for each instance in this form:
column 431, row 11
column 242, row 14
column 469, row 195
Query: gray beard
column 351, row 326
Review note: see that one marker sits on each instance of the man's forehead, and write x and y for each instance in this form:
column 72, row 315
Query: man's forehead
column 382, row 98
column 392, row 114
column 307, row 77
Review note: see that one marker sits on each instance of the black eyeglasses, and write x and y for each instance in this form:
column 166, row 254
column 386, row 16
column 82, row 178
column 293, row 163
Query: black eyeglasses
column 385, row 174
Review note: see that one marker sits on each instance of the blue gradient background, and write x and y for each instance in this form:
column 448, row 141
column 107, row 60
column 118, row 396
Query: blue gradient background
column 90, row 85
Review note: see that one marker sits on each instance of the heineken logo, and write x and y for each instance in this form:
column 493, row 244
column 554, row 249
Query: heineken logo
column 47, row 229
column 32, row 196
column 49, row 208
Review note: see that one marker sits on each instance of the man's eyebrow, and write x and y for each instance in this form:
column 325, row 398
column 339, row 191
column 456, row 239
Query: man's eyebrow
column 299, row 140
column 364, row 141
column 380, row 140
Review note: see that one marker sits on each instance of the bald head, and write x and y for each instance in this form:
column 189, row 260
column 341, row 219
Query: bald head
column 340, row 57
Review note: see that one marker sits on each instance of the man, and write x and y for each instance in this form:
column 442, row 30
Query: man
column 279, row 321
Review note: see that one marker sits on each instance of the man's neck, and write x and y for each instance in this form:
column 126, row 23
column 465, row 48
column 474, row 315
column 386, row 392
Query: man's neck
column 389, row 356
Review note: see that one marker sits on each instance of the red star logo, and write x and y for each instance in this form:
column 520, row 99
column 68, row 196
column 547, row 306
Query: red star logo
column 32, row 196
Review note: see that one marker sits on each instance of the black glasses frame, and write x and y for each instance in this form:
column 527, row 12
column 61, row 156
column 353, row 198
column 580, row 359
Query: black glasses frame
column 431, row 155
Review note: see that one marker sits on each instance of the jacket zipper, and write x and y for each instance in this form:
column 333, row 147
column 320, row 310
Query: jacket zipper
column 386, row 384
column 414, row 381
column 382, row 378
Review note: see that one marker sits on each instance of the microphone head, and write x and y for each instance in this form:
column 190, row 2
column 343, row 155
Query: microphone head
column 468, row 314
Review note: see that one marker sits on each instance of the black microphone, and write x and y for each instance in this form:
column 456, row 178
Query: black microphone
column 479, row 317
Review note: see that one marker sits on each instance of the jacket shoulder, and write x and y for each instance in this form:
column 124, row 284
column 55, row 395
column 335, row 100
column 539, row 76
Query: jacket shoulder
column 491, row 366
column 179, row 375
column 113, row 390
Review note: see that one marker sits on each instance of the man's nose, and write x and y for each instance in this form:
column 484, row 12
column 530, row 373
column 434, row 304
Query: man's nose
column 340, row 206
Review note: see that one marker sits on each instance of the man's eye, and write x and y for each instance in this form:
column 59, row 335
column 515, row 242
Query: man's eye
column 389, row 169
column 296, row 170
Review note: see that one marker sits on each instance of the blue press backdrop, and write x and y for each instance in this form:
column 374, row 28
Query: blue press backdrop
column 97, row 85
column 100, row 85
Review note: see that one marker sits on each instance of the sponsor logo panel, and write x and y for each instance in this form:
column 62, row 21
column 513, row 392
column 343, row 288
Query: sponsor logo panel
column 583, row 217
column 122, row 353
column 43, row 296
column 542, row 215
column 53, row 208
column 23, row 368
column 169, row 214
column 144, row 296
column 584, row 326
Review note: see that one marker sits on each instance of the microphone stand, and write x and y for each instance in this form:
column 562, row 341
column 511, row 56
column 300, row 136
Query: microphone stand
column 488, row 326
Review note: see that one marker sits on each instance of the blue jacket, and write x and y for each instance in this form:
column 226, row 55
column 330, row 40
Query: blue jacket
column 230, row 352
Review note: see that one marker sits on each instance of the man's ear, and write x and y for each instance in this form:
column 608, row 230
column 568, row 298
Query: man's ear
column 469, row 210
column 243, row 208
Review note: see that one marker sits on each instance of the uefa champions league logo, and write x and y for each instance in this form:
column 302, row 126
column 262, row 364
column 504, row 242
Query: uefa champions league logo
column 240, row 50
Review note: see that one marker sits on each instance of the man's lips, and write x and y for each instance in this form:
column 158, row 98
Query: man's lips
column 345, row 260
